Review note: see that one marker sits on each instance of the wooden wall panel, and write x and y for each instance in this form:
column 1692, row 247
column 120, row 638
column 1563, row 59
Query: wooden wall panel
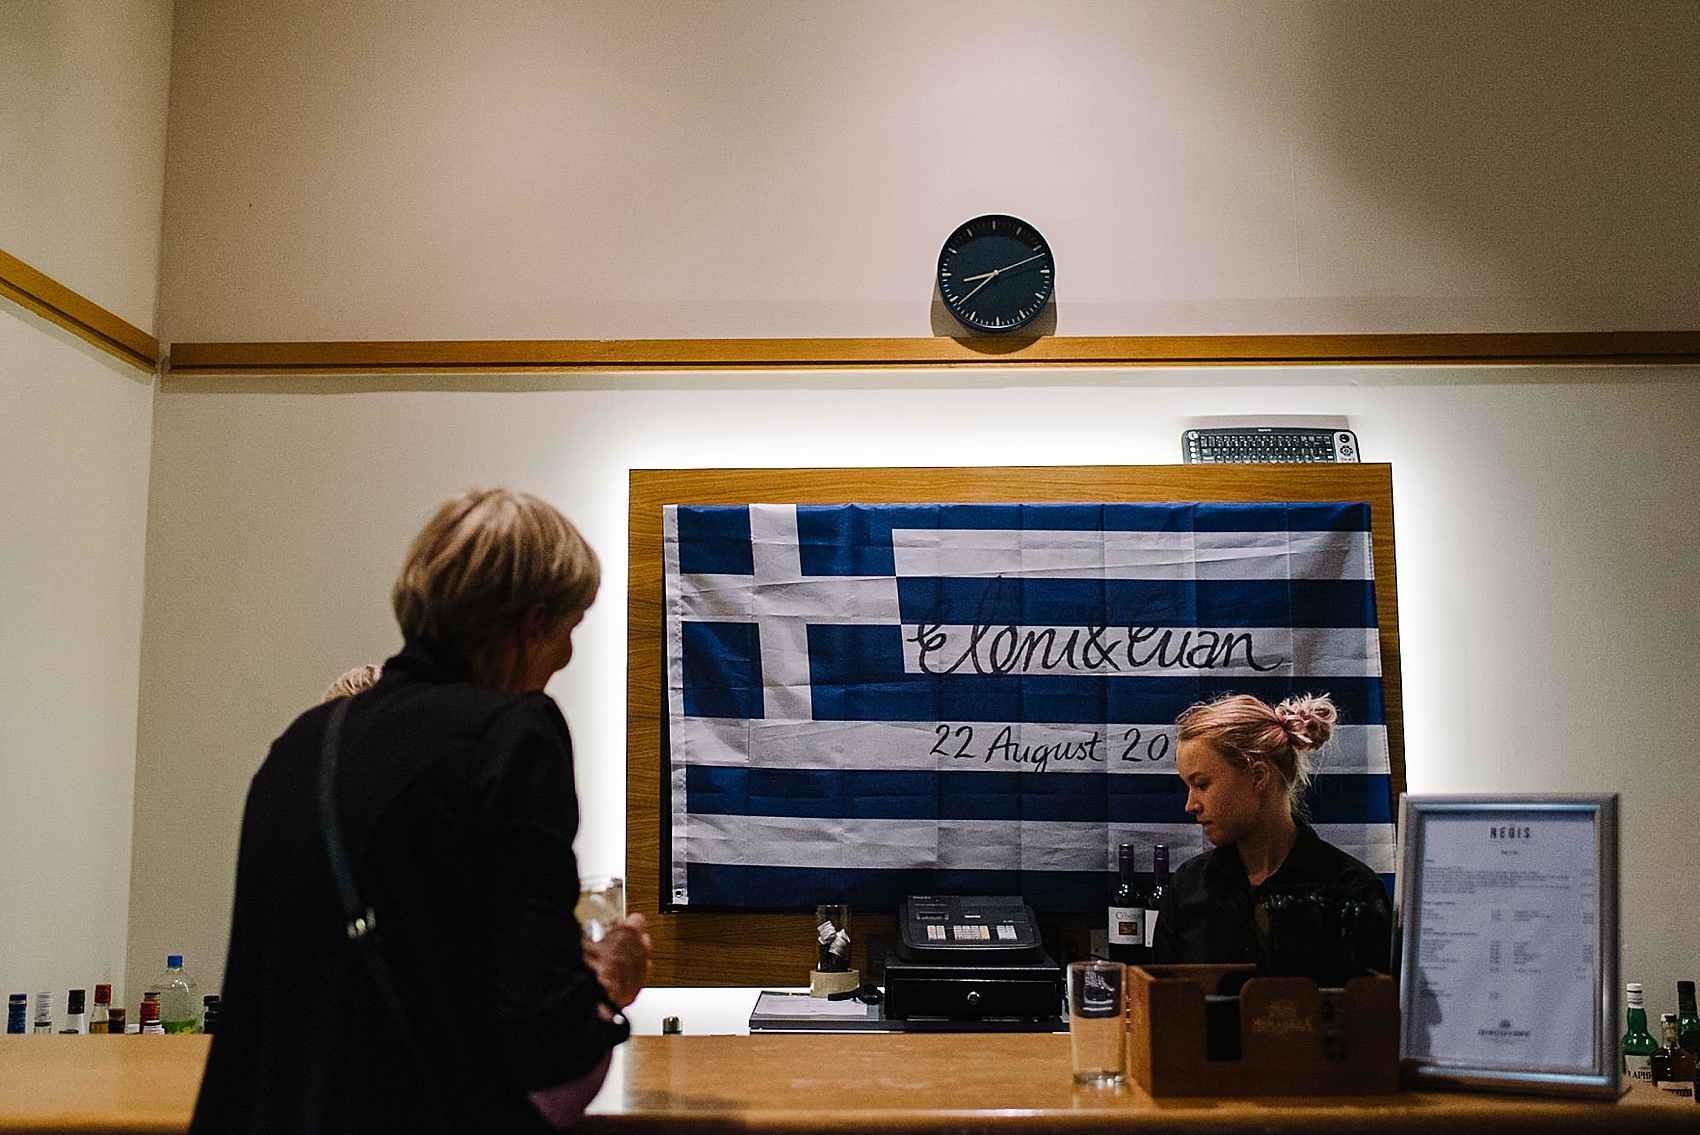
column 719, row 948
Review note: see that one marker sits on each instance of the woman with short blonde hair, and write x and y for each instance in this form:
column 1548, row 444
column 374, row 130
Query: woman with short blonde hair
column 455, row 790
column 479, row 565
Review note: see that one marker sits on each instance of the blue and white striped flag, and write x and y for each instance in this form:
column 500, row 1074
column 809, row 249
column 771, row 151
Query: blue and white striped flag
column 868, row 701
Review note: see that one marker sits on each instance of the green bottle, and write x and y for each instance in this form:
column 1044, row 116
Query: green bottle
column 1687, row 1022
column 1638, row 1043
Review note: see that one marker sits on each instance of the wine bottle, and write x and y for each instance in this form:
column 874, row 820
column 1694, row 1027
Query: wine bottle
column 1159, row 883
column 1127, row 913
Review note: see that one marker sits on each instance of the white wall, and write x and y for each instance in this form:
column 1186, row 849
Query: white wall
column 1545, row 567
column 74, row 429
column 83, row 86
column 650, row 169
column 82, row 169
column 763, row 168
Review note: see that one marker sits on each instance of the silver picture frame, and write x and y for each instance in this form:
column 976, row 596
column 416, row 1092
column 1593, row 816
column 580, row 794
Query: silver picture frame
column 1507, row 932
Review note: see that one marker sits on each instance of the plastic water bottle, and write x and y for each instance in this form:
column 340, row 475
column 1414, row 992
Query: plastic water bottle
column 178, row 1004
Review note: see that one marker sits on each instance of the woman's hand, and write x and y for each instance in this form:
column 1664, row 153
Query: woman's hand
column 620, row 960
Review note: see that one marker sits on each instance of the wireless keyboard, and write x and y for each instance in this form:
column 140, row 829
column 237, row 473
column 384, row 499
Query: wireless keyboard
column 1268, row 443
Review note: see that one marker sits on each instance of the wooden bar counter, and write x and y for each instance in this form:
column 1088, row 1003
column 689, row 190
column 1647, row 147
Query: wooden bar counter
column 958, row 1084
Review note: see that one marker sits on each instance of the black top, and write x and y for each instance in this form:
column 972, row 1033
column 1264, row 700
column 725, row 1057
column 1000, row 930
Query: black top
column 1208, row 908
column 459, row 815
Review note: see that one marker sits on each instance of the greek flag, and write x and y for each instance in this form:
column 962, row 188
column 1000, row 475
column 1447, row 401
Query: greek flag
column 867, row 701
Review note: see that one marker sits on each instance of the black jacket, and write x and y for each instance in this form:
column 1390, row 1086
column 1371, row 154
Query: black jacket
column 459, row 815
column 1207, row 915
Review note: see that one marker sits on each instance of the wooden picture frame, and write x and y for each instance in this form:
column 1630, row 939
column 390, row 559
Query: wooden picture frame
column 745, row 949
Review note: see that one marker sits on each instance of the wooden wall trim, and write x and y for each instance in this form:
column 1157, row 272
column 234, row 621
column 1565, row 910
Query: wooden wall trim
column 541, row 355
column 53, row 301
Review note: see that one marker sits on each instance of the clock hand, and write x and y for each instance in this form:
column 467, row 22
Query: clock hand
column 1019, row 263
column 990, row 276
column 987, row 277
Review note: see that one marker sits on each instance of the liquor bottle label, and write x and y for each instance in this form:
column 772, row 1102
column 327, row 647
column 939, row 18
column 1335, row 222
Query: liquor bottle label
column 1127, row 926
column 1638, row 1067
column 1676, row 1088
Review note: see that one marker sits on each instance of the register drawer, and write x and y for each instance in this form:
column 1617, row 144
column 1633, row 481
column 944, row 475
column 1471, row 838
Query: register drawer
column 972, row 993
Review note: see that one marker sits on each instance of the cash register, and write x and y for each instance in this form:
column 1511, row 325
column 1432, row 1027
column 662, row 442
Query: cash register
column 968, row 958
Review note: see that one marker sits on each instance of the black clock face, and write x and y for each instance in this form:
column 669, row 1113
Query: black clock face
column 996, row 273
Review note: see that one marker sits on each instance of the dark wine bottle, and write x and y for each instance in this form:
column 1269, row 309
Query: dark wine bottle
column 1159, row 882
column 1127, row 914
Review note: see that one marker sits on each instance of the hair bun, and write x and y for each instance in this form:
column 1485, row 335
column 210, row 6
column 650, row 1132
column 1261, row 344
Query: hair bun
column 1309, row 721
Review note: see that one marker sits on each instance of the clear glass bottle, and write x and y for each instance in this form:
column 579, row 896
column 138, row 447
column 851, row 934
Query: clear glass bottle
column 44, row 1012
column 76, row 1011
column 1126, row 914
column 1673, row 1065
column 100, row 1017
column 1159, row 883
column 1638, row 1043
column 179, row 1000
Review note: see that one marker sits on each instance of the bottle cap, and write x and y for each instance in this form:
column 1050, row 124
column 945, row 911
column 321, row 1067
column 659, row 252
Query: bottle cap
column 1668, row 1018
column 672, row 1026
column 174, row 961
column 210, row 999
column 74, row 1000
column 103, row 994
column 17, row 997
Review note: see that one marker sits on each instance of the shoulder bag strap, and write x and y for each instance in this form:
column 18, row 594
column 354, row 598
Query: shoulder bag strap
column 360, row 923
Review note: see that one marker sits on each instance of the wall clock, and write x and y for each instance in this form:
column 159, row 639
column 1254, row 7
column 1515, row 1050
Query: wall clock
column 996, row 273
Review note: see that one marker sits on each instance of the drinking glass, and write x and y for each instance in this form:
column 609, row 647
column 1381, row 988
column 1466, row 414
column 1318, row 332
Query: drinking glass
column 1097, row 1026
column 601, row 903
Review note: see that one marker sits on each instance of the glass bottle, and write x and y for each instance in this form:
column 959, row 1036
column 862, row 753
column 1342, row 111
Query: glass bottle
column 17, row 1010
column 1159, row 883
column 148, row 1014
column 1673, row 1065
column 1687, row 1023
column 44, row 1012
column 100, row 1016
column 1127, row 913
column 76, row 1012
column 1638, row 1043
column 115, row 1024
